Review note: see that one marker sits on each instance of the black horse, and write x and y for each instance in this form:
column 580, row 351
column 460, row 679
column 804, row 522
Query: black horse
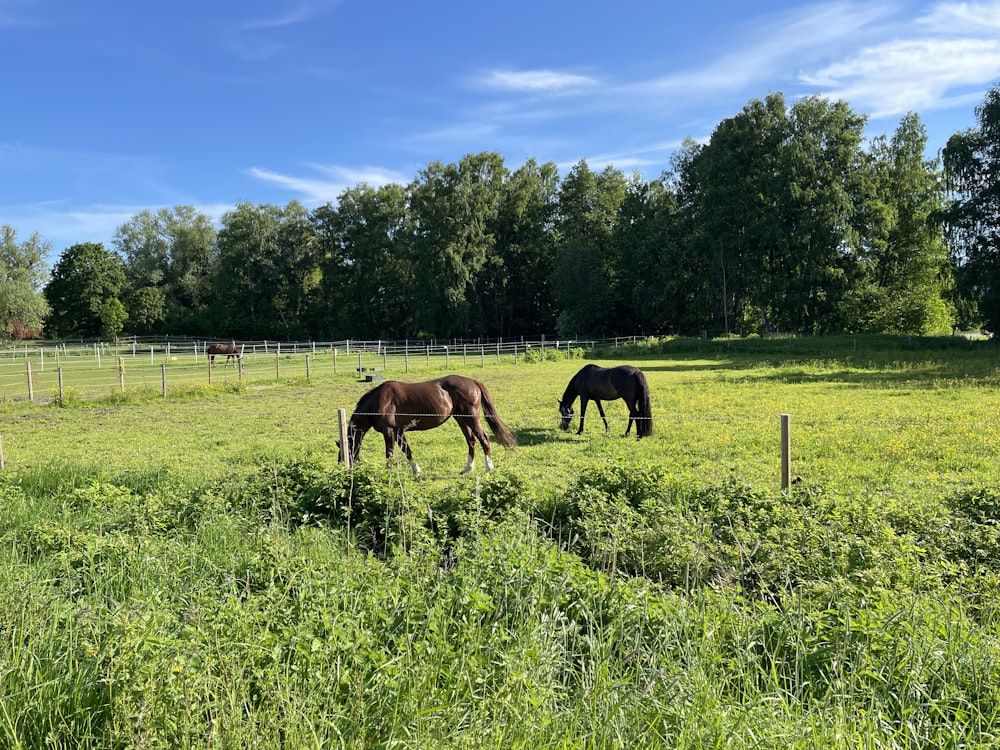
column 598, row 384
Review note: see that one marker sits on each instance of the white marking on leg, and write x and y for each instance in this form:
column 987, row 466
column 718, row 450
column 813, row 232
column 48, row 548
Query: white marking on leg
column 489, row 464
column 416, row 469
column 468, row 466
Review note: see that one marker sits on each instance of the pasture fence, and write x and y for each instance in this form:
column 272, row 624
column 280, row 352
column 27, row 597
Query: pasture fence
column 54, row 371
column 47, row 370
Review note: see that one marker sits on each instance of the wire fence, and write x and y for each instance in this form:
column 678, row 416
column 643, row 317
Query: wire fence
column 49, row 370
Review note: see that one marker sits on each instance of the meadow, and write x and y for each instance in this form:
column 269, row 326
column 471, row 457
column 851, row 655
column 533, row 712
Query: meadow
column 195, row 569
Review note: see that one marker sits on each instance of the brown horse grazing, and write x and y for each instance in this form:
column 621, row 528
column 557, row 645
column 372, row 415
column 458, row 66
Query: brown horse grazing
column 394, row 408
column 229, row 350
column 593, row 383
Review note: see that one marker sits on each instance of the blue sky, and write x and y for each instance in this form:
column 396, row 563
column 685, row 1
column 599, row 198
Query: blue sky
column 113, row 107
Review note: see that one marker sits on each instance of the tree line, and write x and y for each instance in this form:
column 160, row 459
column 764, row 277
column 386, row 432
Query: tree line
column 785, row 220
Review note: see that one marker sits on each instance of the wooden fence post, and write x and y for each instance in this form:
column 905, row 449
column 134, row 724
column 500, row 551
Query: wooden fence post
column 786, row 452
column 121, row 374
column 59, row 378
column 345, row 448
column 163, row 378
column 31, row 386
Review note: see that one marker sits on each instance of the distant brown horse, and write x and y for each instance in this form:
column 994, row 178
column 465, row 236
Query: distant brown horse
column 229, row 350
column 394, row 408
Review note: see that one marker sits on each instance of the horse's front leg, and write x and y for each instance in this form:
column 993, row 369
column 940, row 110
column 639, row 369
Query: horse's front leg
column 600, row 410
column 583, row 413
column 405, row 445
column 389, row 435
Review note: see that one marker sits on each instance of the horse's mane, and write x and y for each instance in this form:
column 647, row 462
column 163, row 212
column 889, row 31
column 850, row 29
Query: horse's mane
column 369, row 402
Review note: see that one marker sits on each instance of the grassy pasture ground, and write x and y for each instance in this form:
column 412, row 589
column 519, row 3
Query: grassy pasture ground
column 196, row 570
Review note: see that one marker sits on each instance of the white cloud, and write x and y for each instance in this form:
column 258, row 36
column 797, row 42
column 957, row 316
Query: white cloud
column 313, row 192
column 534, row 81
column 898, row 77
column 951, row 18
column 291, row 17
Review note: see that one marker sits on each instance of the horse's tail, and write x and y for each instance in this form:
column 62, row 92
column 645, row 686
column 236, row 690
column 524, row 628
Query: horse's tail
column 501, row 431
column 644, row 425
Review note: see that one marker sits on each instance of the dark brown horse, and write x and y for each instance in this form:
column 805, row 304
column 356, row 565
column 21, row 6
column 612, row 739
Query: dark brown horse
column 395, row 408
column 598, row 384
column 230, row 350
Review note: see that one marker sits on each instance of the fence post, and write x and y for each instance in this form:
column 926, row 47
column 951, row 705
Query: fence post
column 277, row 362
column 786, row 452
column 307, row 368
column 121, row 374
column 209, row 360
column 163, row 378
column 60, row 381
column 335, row 361
column 31, row 387
column 345, row 448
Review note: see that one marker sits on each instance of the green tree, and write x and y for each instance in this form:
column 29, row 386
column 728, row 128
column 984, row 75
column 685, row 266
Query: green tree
column 170, row 258
column 22, row 277
column 775, row 189
column 267, row 270
column 367, row 274
column 645, row 234
column 972, row 166
column 84, row 293
column 516, row 292
column 585, row 270
column 453, row 209
column 903, row 276
column 691, row 271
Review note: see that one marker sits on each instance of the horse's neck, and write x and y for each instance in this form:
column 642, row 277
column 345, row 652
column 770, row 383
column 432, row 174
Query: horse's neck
column 570, row 394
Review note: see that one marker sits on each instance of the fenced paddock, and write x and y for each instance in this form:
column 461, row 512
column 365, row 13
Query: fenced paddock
column 48, row 371
column 918, row 417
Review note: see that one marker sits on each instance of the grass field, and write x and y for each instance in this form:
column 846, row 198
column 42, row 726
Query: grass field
column 196, row 570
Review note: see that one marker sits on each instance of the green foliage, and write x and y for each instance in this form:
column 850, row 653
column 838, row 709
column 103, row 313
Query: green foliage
column 971, row 160
column 551, row 354
column 84, row 293
column 22, row 276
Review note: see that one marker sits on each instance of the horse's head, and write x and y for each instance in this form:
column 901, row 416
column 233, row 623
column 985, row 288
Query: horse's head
column 356, row 430
column 566, row 411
